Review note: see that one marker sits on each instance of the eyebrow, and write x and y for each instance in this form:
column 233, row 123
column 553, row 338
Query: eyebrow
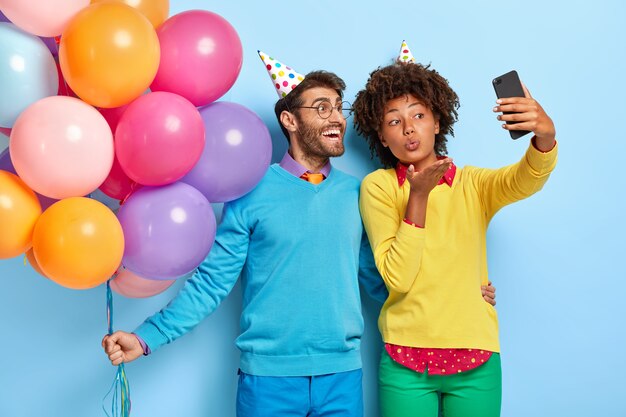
column 337, row 100
column 415, row 103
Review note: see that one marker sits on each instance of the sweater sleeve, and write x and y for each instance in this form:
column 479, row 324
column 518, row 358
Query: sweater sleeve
column 512, row 183
column 204, row 291
column 369, row 277
column 397, row 246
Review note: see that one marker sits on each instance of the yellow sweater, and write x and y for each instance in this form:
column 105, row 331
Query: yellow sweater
column 434, row 274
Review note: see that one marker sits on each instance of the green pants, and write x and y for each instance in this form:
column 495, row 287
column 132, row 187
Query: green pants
column 406, row 393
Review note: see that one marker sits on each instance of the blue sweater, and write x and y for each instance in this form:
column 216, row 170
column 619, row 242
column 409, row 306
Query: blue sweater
column 297, row 247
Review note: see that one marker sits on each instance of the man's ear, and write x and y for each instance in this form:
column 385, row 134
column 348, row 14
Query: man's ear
column 288, row 120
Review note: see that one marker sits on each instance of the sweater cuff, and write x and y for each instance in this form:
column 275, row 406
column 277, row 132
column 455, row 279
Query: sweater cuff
column 151, row 336
column 411, row 232
column 144, row 346
column 542, row 161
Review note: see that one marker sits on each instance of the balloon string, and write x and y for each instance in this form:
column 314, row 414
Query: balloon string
column 120, row 389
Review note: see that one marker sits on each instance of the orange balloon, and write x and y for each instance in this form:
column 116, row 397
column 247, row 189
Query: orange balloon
column 109, row 54
column 30, row 255
column 19, row 211
column 78, row 243
column 155, row 10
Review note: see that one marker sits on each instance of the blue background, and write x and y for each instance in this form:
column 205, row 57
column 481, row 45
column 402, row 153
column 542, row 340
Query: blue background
column 555, row 258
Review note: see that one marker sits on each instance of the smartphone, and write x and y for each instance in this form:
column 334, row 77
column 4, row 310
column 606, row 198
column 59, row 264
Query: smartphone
column 509, row 85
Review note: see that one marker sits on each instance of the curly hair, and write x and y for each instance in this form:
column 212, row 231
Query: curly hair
column 397, row 80
column 313, row 79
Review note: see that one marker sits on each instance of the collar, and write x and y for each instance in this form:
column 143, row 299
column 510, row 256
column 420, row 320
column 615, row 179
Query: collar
column 447, row 178
column 296, row 169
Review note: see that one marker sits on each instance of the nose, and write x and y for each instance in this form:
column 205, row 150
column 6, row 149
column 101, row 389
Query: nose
column 336, row 116
column 408, row 129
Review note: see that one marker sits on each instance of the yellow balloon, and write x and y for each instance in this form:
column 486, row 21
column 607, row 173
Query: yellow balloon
column 155, row 10
column 19, row 211
column 78, row 243
column 109, row 54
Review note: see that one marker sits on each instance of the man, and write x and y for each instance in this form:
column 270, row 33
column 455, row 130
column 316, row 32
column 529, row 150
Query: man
column 298, row 242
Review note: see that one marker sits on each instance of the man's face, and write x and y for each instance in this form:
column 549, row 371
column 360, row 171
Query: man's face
column 320, row 137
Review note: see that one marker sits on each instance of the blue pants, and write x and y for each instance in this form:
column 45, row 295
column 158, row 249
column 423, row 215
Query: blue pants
column 336, row 395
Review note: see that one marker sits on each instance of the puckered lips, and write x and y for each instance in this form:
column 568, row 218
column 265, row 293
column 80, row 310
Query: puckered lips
column 412, row 145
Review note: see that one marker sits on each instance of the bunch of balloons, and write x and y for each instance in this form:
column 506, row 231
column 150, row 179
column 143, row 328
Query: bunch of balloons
column 113, row 100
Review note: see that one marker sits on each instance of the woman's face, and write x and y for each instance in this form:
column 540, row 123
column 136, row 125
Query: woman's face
column 408, row 129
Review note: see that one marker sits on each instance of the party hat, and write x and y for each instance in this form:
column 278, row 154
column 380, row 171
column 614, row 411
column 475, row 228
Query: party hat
column 405, row 54
column 284, row 78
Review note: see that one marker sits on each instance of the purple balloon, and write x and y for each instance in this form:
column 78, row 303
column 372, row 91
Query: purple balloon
column 7, row 165
column 237, row 152
column 5, row 162
column 168, row 231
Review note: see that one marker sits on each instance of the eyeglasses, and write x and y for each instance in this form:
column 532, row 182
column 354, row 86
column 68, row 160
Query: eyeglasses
column 325, row 109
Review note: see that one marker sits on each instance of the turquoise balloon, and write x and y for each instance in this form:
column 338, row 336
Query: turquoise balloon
column 27, row 72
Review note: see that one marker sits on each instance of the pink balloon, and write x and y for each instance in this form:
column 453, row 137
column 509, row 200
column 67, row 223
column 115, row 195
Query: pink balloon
column 130, row 285
column 159, row 138
column 61, row 147
column 42, row 18
column 201, row 56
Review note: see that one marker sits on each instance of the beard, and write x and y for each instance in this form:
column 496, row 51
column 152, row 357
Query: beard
column 312, row 143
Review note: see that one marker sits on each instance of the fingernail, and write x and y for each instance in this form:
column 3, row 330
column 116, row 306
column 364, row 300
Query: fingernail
column 495, row 108
column 498, row 101
column 504, row 126
column 499, row 117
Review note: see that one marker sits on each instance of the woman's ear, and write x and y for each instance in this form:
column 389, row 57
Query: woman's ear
column 382, row 140
column 436, row 126
column 288, row 120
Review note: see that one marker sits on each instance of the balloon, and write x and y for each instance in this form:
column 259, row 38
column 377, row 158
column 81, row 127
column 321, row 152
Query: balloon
column 42, row 18
column 201, row 56
column 237, row 152
column 159, row 138
column 30, row 255
column 155, row 10
column 109, row 54
column 78, row 243
column 19, row 211
column 27, row 72
column 52, row 45
column 168, row 230
column 117, row 185
column 7, row 165
column 130, row 285
column 63, row 89
column 113, row 115
column 5, row 162
column 62, row 147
